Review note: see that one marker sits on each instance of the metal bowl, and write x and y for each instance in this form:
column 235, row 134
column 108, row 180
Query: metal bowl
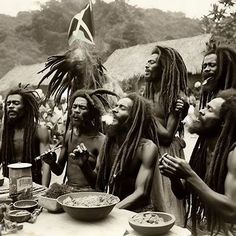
column 51, row 204
column 19, row 216
column 93, row 212
column 28, row 205
column 159, row 223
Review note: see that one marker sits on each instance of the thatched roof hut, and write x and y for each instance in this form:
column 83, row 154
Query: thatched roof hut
column 28, row 74
column 24, row 74
column 124, row 63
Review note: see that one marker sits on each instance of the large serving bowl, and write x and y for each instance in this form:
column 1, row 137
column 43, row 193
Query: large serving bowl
column 152, row 223
column 88, row 206
column 51, row 204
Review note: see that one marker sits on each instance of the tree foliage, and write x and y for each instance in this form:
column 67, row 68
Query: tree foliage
column 31, row 37
column 221, row 22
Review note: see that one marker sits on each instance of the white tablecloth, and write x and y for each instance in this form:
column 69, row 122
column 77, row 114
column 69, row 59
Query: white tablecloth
column 61, row 224
column 116, row 224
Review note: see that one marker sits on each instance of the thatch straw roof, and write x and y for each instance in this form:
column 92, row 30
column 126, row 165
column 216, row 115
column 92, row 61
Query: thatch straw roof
column 26, row 74
column 124, row 63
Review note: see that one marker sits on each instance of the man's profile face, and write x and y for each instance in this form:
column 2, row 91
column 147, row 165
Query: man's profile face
column 121, row 113
column 151, row 68
column 209, row 69
column 208, row 119
column 79, row 111
column 14, row 107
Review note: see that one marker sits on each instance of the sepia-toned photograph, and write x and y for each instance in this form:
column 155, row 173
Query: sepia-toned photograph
column 118, row 117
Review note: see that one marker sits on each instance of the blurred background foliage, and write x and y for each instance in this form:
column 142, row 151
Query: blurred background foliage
column 31, row 37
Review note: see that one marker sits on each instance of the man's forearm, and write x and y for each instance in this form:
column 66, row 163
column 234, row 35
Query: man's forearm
column 222, row 204
column 131, row 200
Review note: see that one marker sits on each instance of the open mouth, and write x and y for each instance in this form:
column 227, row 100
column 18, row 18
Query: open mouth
column 76, row 118
column 12, row 113
column 147, row 72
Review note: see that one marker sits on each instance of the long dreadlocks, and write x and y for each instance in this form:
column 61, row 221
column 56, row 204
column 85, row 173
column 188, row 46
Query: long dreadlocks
column 78, row 68
column 225, row 74
column 142, row 125
column 31, row 116
column 173, row 77
column 214, row 174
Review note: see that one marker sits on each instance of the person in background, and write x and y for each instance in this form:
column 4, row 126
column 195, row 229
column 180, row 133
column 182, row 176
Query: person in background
column 218, row 72
column 22, row 138
column 166, row 87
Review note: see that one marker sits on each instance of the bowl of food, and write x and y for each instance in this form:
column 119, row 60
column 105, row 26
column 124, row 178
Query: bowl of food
column 49, row 199
column 51, row 204
column 28, row 205
column 19, row 216
column 152, row 223
column 88, row 206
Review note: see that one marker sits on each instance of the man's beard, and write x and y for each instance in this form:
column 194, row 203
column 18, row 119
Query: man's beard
column 15, row 121
column 155, row 76
column 209, row 82
column 117, row 129
column 198, row 127
column 83, row 122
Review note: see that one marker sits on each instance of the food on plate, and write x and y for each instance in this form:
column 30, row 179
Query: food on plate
column 150, row 218
column 90, row 201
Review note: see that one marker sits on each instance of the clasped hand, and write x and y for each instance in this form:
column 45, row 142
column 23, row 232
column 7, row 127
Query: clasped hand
column 174, row 167
column 81, row 154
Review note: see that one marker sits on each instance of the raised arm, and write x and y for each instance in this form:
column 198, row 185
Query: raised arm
column 223, row 204
column 148, row 155
column 166, row 134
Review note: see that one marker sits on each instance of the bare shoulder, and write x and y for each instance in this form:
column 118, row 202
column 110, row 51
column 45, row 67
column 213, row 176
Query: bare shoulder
column 99, row 139
column 147, row 150
column 42, row 133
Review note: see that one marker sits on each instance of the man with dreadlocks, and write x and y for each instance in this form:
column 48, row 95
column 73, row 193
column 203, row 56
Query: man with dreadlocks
column 127, row 160
column 83, row 126
column 210, row 177
column 22, row 138
column 166, row 84
column 218, row 72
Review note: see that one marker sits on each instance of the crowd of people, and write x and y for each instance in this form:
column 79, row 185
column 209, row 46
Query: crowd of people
column 136, row 152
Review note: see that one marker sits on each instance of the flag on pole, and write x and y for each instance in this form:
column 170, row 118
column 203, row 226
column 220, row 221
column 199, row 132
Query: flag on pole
column 81, row 26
